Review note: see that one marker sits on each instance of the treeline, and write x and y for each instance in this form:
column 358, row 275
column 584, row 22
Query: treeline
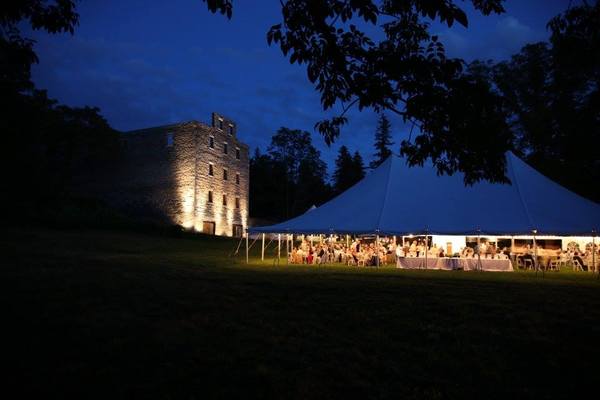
column 47, row 147
column 290, row 177
column 51, row 147
column 550, row 95
column 49, row 151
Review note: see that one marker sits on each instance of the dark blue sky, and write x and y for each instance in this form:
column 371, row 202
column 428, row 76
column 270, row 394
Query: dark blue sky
column 147, row 63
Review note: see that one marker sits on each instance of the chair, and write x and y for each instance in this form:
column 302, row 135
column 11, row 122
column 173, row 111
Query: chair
column 594, row 265
column 589, row 261
column 577, row 265
column 554, row 264
column 563, row 260
column 528, row 263
column 520, row 264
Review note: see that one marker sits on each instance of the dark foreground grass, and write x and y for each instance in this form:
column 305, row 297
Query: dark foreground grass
column 98, row 314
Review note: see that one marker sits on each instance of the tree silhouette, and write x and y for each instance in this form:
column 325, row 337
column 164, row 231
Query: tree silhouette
column 344, row 169
column 56, row 147
column 266, row 191
column 359, row 166
column 401, row 68
column 293, row 173
column 551, row 93
column 312, row 187
column 16, row 51
column 383, row 141
column 348, row 170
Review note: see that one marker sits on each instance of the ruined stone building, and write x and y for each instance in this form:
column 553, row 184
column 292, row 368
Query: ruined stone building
column 190, row 174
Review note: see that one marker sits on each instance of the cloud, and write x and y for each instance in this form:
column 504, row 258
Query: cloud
column 454, row 42
column 511, row 26
column 139, row 85
column 125, row 80
column 510, row 35
column 498, row 41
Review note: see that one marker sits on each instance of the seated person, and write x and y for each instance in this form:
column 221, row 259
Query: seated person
column 528, row 256
column 578, row 256
column 481, row 249
column 293, row 256
column 491, row 250
column 320, row 254
column 400, row 252
column 300, row 254
column 373, row 258
column 309, row 257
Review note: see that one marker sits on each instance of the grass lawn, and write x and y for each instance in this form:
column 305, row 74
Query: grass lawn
column 101, row 314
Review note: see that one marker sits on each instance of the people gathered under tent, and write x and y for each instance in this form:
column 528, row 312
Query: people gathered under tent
column 369, row 252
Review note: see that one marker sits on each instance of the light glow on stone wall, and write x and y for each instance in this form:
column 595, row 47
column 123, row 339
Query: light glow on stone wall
column 193, row 183
column 201, row 205
column 186, row 194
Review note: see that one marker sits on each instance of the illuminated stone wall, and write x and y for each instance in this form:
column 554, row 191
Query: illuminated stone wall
column 167, row 174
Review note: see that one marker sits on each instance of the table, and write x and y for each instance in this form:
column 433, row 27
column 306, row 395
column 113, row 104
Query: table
column 453, row 263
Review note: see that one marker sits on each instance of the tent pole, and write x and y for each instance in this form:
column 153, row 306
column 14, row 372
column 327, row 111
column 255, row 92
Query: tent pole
column 426, row 248
column 347, row 241
column 377, row 250
column 321, row 238
column 594, row 252
column 262, row 250
column 535, row 254
column 479, row 266
column 311, row 240
column 512, row 246
column 278, row 247
column 287, row 252
column 246, row 246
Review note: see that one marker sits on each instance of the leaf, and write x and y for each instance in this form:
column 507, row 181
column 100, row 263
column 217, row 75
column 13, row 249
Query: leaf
column 461, row 17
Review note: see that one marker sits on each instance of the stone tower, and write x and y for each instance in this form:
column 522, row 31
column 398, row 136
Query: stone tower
column 191, row 174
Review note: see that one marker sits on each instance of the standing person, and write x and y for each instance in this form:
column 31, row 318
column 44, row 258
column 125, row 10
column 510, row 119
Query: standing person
column 321, row 254
column 400, row 254
column 481, row 249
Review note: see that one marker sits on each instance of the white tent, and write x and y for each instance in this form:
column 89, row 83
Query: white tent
column 397, row 200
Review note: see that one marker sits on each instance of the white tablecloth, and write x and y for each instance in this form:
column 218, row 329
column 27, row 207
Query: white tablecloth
column 451, row 263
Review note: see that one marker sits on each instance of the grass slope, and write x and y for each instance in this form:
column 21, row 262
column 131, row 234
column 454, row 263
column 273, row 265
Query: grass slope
column 101, row 314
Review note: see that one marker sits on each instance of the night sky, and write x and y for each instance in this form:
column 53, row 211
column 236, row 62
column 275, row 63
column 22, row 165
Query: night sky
column 152, row 63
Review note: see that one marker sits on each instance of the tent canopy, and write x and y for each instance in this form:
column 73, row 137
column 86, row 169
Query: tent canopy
column 397, row 200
